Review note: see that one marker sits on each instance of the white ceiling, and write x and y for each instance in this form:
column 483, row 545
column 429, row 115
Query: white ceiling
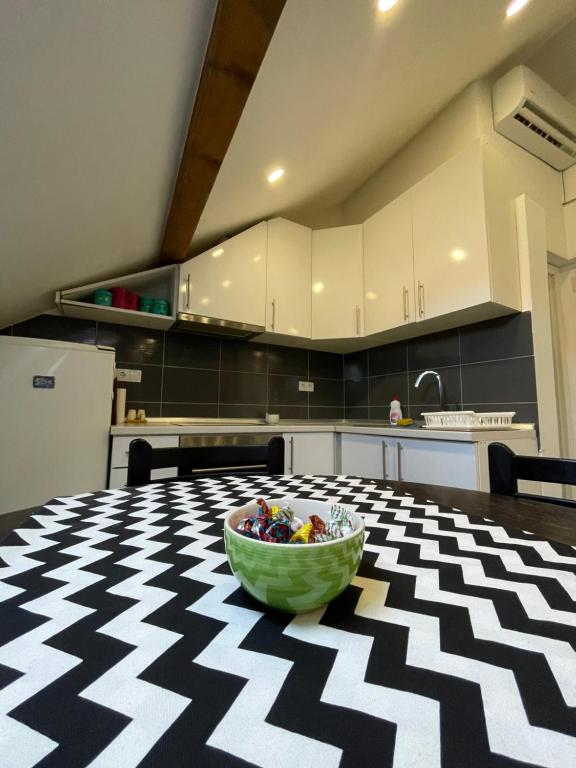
column 96, row 96
column 342, row 88
column 95, row 101
column 555, row 62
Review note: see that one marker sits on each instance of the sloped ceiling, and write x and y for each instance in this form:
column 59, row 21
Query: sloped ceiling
column 95, row 98
column 95, row 101
column 342, row 88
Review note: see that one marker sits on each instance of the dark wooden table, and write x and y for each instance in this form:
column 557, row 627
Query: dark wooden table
column 126, row 641
column 551, row 521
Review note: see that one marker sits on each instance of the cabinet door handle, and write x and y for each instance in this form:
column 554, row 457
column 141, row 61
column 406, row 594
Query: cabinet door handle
column 405, row 303
column 384, row 470
column 399, row 461
column 291, row 455
column 188, row 291
column 420, row 299
column 273, row 323
column 357, row 320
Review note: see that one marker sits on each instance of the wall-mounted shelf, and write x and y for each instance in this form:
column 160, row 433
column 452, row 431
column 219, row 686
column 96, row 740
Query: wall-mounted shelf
column 161, row 283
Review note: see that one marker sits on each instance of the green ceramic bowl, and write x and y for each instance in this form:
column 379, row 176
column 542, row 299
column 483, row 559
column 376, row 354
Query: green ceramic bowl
column 293, row 577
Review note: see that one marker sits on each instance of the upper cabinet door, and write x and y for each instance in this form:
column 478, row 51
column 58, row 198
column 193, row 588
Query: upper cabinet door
column 389, row 267
column 337, row 283
column 228, row 282
column 451, row 256
column 288, row 303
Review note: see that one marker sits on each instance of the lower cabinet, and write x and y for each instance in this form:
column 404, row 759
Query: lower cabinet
column 309, row 453
column 118, row 474
column 371, row 456
column 432, row 462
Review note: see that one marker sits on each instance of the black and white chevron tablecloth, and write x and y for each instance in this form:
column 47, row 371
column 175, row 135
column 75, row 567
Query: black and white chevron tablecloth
column 125, row 641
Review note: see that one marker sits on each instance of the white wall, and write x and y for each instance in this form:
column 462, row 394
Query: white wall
column 466, row 118
column 452, row 129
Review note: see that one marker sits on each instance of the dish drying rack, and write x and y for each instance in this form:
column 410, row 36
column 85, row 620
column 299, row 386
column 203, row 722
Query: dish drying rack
column 468, row 420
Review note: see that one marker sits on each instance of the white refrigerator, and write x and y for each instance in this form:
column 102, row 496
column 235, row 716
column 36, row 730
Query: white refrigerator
column 55, row 413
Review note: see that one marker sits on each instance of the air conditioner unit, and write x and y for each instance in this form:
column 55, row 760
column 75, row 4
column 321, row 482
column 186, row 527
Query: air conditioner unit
column 532, row 114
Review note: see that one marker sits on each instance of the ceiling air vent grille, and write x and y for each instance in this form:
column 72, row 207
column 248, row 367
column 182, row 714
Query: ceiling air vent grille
column 544, row 134
column 536, row 117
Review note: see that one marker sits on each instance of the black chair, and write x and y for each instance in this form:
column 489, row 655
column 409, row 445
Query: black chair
column 506, row 468
column 204, row 461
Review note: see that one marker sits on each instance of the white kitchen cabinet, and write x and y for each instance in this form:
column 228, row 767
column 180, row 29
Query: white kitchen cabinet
column 459, row 464
column 309, row 453
column 389, row 299
column 437, row 462
column 370, row 456
column 465, row 251
column 228, row 282
column 120, row 446
column 288, row 289
column 337, row 284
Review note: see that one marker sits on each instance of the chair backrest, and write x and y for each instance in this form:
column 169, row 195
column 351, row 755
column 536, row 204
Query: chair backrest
column 205, row 461
column 506, row 468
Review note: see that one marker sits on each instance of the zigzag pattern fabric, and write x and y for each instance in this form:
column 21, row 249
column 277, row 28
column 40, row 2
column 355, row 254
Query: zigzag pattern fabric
column 125, row 641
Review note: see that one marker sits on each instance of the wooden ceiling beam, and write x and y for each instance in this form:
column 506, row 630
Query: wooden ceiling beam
column 239, row 39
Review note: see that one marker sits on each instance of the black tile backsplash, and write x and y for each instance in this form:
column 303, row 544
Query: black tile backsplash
column 325, row 365
column 203, row 353
column 283, row 390
column 504, row 337
column 383, row 389
column 438, row 349
column 356, row 365
column 486, row 366
column 149, row 390
column 391, row 358
column 248, row 389
column 57, row 328
column 289, row 361
column 133, row 345
column 500, row 381
column 189, row 385
column 243, row 356
column 191, row 375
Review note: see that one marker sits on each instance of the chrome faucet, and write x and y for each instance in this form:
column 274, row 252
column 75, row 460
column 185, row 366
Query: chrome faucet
column 440, row 385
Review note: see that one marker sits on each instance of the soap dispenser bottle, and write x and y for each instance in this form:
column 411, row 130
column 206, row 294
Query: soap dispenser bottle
column 395, row 411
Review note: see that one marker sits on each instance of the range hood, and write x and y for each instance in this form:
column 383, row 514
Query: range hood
column 214, row 327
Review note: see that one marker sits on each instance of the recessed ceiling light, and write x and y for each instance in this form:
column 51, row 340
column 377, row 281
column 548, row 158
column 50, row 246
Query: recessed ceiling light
column 318, row 287
column 458, row 254
column 386, row 5
column 515, row 6
column 226, row 283
column 217, row 253
column 275, row 175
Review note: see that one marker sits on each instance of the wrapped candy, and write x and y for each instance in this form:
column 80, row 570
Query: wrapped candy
column 279, row 531
column 252, row 526
column 303, row 535
column 318, row 525
column 263, row 507
column 279, row 525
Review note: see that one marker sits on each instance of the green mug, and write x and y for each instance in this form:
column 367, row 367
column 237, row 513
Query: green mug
column 160, row 307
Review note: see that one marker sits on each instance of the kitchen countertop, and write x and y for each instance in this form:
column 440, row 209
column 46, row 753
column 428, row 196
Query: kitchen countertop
column 224, row 426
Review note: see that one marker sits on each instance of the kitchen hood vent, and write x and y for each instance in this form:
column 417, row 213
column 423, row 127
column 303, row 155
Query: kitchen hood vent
column 533, row 115
column 211, row 326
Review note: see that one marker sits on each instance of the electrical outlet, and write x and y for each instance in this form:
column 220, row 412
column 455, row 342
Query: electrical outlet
column 128, row 375
column 305, row 386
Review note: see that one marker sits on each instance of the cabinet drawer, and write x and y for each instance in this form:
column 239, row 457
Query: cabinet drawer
column 120, row 446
